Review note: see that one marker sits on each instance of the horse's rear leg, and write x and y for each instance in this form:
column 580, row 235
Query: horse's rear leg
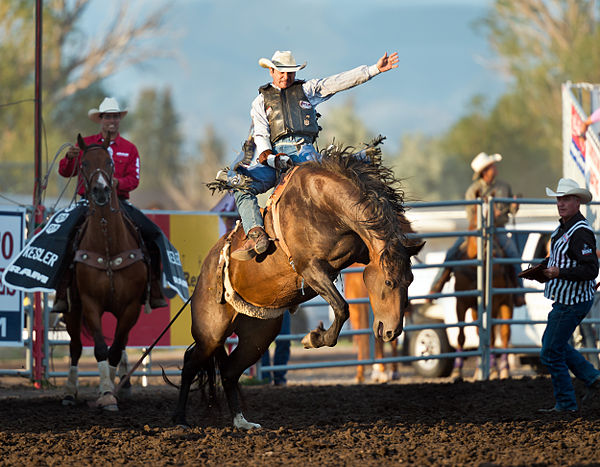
column 359, row 319
column 73, row 322
column 194, row 360
column 395, row 366
column 121, row 372
column 378, row 374
column 506, row 312
column 457, row 370
column 254, row 335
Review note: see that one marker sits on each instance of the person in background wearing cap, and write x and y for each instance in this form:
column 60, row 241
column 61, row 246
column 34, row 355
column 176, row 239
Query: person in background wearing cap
column 126, row 176
column 285, row 127
column 571, row 270
column 486, row 185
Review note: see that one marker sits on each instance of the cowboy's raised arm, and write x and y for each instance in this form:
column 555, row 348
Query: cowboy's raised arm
column 386, row 63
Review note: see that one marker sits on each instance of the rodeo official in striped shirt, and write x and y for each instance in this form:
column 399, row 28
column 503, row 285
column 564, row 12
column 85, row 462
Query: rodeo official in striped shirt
column 570, row 270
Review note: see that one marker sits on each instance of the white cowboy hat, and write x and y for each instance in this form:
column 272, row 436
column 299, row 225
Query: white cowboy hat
column 566, row 186
column 108, row 106
column 282, row 61
column 482, row 161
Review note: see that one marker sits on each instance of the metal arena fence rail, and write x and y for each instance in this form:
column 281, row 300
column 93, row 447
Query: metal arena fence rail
column 484, row 292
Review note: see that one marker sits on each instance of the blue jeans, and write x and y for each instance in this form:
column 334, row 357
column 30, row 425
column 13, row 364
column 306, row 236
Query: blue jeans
column 282, row 353
column 265, row 178
column 560, row 357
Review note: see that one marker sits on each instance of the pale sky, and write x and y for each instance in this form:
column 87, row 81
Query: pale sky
column 443, row 60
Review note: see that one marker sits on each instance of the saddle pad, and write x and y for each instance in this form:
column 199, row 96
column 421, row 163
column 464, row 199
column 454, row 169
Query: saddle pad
column 39, row 266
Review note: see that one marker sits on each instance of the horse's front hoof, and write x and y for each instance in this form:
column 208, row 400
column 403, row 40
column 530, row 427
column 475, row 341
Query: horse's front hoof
column 378, row 374
column 310, row 340
column 125, row 390
column 106, row 401
column 240, row 422
column 69, row 400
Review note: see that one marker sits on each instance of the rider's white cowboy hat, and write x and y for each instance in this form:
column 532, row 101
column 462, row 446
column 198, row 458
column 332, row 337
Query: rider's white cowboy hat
column 108, row 106
column 566, row 187
column 482, row 161
column 282, row 61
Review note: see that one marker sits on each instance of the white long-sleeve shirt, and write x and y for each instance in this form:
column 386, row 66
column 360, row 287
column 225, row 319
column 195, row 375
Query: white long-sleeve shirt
column 316, row 90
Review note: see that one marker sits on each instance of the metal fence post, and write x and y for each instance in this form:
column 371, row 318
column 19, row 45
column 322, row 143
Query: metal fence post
column 483, row 284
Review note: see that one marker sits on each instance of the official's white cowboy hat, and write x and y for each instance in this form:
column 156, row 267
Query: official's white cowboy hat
column 482, row 161
column 281, row 61
column 566, row 186
column 108, row 106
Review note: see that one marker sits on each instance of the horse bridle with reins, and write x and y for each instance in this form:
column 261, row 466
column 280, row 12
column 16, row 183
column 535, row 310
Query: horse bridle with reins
column 97, row 172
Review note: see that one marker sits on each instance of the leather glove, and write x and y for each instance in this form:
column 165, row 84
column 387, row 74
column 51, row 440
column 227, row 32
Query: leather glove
column 262, row 158
column 280, row 161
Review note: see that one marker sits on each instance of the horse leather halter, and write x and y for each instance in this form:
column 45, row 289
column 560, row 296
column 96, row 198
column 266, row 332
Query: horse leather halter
column 107, row 174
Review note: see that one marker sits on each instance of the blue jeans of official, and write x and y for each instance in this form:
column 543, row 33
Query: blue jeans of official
column 265, row 178
column 560, row 357
column 506, row 243
column 281, row 355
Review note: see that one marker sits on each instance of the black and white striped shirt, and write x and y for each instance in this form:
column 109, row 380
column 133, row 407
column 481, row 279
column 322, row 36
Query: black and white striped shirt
column 573, row 252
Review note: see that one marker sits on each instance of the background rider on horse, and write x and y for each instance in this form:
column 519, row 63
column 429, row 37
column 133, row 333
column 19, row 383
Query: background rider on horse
column 285, row 127
column 486, row 185
column 126, row 161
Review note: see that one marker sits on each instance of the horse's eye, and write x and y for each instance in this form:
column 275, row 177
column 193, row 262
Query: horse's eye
column 389, row 283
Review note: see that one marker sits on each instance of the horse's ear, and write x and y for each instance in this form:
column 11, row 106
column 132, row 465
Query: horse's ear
column 80, row 142
column 414, row 250
column 106, row 143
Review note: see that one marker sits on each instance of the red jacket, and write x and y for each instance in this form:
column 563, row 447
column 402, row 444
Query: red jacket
column 127, row 164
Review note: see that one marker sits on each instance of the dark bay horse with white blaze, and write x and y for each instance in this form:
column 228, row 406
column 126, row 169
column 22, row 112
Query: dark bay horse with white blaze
column 110, row 275
column 333, row 213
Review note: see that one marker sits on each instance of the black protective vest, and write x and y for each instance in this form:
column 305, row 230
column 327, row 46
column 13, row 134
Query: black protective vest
column 289, row 112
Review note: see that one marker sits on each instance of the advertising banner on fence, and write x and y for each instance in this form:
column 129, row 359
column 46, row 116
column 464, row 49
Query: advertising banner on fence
column 12, row 240
column 581, row 155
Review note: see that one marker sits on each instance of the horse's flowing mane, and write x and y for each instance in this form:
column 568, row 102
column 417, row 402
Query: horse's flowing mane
column 382, row 197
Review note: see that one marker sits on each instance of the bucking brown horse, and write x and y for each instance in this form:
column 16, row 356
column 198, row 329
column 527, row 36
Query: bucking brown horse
column 332, row 213
column 110, row 275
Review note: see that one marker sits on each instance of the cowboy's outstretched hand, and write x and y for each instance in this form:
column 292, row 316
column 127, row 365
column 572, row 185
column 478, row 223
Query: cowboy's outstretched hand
column 386, row 63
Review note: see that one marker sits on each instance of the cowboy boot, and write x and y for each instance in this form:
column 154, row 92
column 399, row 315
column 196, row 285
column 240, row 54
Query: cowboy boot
column 256, row 242
column 60, row 304
column 157, row 299
column 60, row 301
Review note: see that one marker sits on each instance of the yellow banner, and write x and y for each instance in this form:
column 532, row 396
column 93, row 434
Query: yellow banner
column 193, row 236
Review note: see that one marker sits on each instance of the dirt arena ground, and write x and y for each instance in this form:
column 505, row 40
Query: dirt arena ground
column 442, row 423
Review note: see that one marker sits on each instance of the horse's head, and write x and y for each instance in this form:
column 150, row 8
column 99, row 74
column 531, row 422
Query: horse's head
column 97, row 170
column 388, row 292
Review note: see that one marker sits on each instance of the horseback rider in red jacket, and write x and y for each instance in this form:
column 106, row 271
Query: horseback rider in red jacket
column 126, row 176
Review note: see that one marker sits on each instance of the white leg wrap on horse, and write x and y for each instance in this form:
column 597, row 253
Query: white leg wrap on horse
column 122, row 368
column 106, row 384
column 112, row 371
column 240, row 422
column 72, row 381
